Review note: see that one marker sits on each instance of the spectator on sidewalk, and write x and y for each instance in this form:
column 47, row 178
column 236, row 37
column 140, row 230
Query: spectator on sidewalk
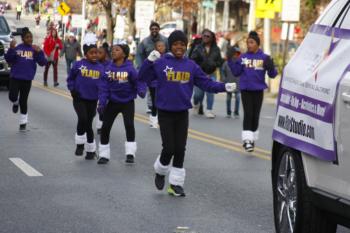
column 232, row 53
column 207, row 56
column 19, row 11
column 52, row 46
column 145, row 48
column 71, row 50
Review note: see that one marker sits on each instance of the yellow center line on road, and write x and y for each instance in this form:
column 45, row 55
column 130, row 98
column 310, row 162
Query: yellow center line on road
column 194, row 134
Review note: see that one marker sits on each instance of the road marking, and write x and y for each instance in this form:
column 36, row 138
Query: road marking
column 204, row 137
column 25, row 167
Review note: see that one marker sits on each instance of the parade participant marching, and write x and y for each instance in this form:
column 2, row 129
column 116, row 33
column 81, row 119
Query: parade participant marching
column 103, row 58
column 118, row 89
column 159, row 46
column 252, row 67
column 176, row 76
column 23, row 59
column 83, row 83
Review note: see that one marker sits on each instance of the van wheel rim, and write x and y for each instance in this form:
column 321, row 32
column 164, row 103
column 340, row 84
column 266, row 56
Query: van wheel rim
column 287, row 193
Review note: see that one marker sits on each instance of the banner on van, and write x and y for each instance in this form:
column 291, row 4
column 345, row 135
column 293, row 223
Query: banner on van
column 306, row 105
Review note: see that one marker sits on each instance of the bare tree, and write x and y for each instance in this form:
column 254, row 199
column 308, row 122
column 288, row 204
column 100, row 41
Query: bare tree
column 111, row 16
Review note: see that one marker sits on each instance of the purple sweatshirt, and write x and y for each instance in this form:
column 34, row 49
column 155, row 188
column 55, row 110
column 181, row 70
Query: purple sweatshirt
column 84, row 78
column 176, row 79
column 23, row 61
column 120, row 84
column 250, row 68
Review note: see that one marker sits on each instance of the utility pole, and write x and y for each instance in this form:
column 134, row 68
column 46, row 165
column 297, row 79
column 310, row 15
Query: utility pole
column 251, row 19
column 226, row 15
column 267, row 36
column 83, row 11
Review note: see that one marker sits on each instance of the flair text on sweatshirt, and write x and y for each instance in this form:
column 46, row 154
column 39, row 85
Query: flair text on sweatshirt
column 175, row 81
column 23, row 60
column 250, row 68
column 84, row 78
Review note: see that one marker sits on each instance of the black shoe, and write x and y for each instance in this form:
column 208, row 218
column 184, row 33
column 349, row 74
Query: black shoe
column 200, row 110
column 102, row 160
column 22, row 127
column 176, row 190
column 15, row 108
column 99, row 131
column 159, row 181
column 45, row 83
column 56, row 84
column 90, row 155
column 130, row 159
column 80, row 150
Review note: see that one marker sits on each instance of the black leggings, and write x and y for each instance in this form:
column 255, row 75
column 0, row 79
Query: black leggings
column 252, row 102
column 111, row 112
column 173, row 130
column 152, row 90
column 86, row 111
column 21, row 88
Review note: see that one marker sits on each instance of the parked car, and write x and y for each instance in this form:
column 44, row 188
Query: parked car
column 167, row 28
column 5, row 39
column 311, row 149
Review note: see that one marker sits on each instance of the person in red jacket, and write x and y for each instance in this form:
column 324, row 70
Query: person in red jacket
column 52, row 47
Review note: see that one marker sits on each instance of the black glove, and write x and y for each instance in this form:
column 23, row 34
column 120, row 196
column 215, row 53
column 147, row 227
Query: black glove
column 269, row 64
column 75, row 94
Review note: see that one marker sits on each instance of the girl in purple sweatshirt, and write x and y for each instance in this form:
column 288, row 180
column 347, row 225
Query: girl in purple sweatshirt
column 104, row 59
column 252, row 67
column 117, row 91
column 83, row 83
column 23, row 59
column 176, row 76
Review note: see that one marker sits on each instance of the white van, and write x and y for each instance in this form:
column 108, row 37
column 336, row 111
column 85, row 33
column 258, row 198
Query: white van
column 311, row 149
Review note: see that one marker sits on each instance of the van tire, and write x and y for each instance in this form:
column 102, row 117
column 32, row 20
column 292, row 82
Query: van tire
column 309, row 219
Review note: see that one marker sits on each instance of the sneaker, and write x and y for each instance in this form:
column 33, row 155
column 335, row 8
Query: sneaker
column 80, row 150
column 209, row 114
column 90, row 155
column 56, row 84
column 130, row 159
column 99, row 131
column 22, row 127
column 45, row 83
column 248, row 146
column 102, row 160
column 176, row 190
column 228, row 116
column 159, row 181
column 15, row 108
column 236, row 115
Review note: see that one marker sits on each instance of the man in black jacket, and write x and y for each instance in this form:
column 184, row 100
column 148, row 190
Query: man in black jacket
column 207, row 56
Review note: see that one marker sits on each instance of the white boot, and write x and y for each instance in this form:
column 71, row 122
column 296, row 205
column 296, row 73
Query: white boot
column 177, row 180
column 153, row 122
column 104, row 154
column 90, row 150
column 130, row 151
column 23, row 120
column 159, row 168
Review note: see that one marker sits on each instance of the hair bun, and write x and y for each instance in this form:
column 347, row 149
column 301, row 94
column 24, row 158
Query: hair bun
column 253, row 33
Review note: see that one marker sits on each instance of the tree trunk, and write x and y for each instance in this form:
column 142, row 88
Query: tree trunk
column 131, row 18
column 110, row 24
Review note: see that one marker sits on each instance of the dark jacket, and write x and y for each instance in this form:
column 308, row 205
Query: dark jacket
column 146, row 47
column 71, row 50
column 207, row 61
